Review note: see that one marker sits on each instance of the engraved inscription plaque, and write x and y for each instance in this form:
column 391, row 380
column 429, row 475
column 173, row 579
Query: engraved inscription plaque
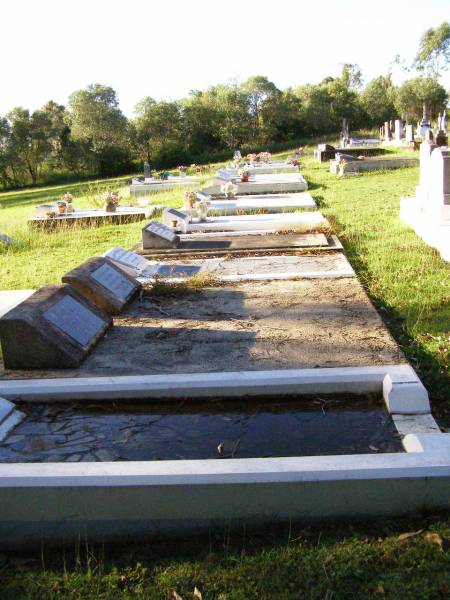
column 75, row 320
column 113, row 281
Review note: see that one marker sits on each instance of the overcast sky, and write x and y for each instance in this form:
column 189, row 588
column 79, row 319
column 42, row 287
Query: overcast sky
column 163, row 49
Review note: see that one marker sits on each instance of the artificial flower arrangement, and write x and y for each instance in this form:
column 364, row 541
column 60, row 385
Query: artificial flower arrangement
column 182, row 170
column 110, row 201
column 68, row 199
column 253, row 157
column 201, row 207
column 264, row 156
column 293, row 161
column 229, row 189
column 189, row 200
column 244, row 174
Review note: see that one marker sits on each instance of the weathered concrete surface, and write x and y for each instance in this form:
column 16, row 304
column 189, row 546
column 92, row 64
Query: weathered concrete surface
column 245, row 326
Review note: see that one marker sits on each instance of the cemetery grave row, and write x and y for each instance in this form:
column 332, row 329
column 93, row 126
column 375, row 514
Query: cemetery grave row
column 297, row 333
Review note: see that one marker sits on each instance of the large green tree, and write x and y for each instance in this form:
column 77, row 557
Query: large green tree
column 30, row 141
column 433, row 56
column 378, row 100
column 157, row 128
column 412, row 95
column 96, row 120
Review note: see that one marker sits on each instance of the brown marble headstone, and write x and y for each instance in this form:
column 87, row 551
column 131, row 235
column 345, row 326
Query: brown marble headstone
column 104, row 283
column 55, row 328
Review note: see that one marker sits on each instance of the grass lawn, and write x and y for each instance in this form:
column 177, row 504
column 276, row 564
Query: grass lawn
column 408, row 283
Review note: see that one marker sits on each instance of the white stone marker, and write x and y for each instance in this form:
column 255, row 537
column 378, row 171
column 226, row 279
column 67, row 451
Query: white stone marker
column 429, row 212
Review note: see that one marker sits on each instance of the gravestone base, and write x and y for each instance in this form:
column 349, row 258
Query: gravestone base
column 55, row 328
column 435, row 232
column 104, row 283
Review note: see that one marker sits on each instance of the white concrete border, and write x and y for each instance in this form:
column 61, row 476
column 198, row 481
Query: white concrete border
column 354, row 380
column 59, row 502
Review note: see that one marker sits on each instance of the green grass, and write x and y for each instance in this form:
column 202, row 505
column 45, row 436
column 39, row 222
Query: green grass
column 402, row 560
column 408, row 283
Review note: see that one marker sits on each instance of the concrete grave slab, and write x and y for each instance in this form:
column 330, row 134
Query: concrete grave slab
column 141, row 187
column 294, row 221
column 259, row 203
column 237, row 243
column 264, row 168
column 325, row 152
column 371, row 164
column 236, row 269
column 103, row 283
column 263, row 184
column 90, row 217
column 252, row 326
column 55, row 328
column 157, row 236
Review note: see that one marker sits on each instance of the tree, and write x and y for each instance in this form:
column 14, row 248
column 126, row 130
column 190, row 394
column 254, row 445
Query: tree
column 415, row 92
column 96, row 119
column 378, row 100
column 433, row 56
column 351, row 76
column 261, row 93
column 29, row 141
column 157, row 127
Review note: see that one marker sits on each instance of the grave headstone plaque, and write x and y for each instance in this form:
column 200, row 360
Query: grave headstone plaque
column 128, row 260
column 176, row 219
column 104, row 283
column 157, row 235
column 55, row 328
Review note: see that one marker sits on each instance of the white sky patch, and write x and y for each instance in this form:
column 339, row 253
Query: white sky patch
column 50, row 48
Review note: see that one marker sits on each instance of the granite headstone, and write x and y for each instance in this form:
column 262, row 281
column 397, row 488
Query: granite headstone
column 104, row 283
column 55, row 328
column 157, row 235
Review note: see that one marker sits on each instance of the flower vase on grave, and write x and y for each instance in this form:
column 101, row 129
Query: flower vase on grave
column 61, row 208
column 189, row 200
column 202, row 210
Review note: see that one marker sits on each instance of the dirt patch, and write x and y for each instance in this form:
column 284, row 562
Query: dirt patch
column 245, row 326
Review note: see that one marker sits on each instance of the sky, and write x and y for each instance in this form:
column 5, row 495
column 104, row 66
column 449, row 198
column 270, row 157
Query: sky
column 164, row 49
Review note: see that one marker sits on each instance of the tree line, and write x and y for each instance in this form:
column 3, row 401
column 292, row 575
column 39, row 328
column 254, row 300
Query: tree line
column 92, row 137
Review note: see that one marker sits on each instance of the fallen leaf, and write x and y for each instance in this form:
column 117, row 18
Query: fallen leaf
column 380, row 589
column 374, row 448
column 406, row 536
column 220, row 448
column 172, row 595
column 197, row 593
column 434, row 538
